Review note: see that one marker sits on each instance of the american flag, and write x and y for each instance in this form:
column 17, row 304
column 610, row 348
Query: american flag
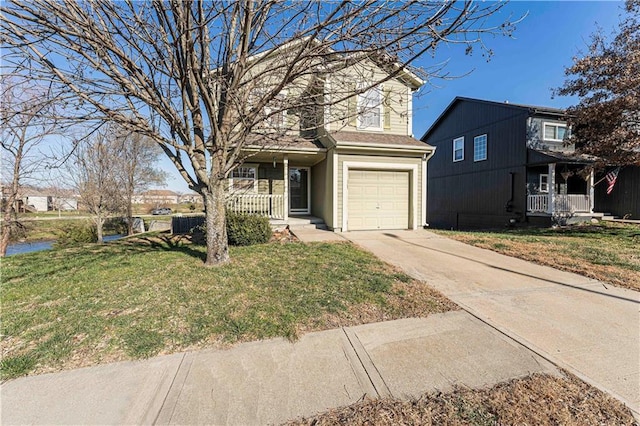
column 611, row 177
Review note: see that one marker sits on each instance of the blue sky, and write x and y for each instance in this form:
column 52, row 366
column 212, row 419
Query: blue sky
column 524, row 69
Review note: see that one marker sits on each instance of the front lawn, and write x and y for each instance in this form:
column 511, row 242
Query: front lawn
column 147, row 296
column 609, row 252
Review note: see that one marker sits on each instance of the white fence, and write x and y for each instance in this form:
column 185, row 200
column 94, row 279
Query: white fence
column 269, row 205
column 576, row 203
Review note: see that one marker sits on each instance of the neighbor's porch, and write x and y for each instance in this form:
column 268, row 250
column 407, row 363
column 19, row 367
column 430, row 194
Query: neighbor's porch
column 560, row 188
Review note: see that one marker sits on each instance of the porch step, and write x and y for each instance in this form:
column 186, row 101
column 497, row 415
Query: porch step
column 300, row 222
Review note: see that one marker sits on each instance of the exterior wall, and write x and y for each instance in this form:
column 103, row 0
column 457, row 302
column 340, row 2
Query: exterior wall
column 270, row 179
column 321, row 191
column 482, row 194
column 535, row 135
column 624, row 200
column 384, row 160
column 41, row 204
column 340, row 116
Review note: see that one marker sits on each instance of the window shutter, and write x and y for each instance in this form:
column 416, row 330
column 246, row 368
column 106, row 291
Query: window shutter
column 352, row 112
column 386, row 104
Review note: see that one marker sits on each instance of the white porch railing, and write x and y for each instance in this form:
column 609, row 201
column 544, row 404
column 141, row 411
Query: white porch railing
column 270, row 205
column 576, row 203
column 538, row 203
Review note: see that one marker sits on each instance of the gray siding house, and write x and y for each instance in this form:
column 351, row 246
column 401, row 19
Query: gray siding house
column 499, row 164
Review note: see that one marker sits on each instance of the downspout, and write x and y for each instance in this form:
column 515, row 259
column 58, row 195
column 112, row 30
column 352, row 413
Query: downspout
column 425, row 159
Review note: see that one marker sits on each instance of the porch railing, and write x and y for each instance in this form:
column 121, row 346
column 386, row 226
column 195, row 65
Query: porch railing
column 270, row 205
column 576, row 203
column 537, row 203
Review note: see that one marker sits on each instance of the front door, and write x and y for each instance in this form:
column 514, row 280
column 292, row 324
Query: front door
column 299, row 190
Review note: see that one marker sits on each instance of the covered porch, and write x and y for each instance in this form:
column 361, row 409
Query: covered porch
column 559, row 188
column 275, row 183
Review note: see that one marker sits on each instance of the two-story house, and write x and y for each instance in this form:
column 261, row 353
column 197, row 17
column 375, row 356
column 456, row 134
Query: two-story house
column 499, row 164
column 356, row 167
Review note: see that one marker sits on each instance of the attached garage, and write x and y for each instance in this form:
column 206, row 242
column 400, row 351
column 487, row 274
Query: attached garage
column 378, row 199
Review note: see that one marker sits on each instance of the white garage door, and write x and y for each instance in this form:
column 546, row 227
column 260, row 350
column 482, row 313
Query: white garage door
column 377, row 200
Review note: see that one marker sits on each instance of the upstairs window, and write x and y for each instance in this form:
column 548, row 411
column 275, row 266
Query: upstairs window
column 274, row 114
column 480, row 148
column 554, row 132
column 458, row 149
column 244, row 178
column 370, row 109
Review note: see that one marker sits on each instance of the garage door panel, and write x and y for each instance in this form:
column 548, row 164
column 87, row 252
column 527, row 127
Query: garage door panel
column 378, row 199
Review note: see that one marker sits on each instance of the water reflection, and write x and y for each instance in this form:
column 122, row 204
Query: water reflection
column 21, row 248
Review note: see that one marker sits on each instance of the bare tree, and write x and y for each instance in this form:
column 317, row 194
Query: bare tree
column 606, row 121
column 95, row 179
column 134, row 163
column 26, row 120
column 206, row 79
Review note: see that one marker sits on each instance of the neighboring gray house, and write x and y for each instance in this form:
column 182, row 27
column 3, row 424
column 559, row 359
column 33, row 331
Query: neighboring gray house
column 499, row 164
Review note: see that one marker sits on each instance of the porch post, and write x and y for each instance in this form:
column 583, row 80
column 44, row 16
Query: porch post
column 592, row 190
column 285, row 162
column 552, row 188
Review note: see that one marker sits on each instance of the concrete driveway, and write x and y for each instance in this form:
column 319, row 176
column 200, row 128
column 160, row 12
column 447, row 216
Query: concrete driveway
column 588, row 328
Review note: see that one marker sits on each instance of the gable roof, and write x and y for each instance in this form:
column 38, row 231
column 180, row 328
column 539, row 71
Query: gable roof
column 530, row 109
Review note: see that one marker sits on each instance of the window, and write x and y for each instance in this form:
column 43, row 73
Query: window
column 554, row 132
column 480, row 148
column 244, row 178
column 370, row 109
column 458, row 149
column 274, row 113
column 544, row 183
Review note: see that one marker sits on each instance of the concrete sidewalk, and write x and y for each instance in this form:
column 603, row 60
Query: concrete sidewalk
column 590, row 329
column 276, row 380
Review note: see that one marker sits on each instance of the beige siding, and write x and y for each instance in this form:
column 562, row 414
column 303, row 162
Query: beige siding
column 342, row 83
column 270, row 179
column 321, row 191
column 386, row 160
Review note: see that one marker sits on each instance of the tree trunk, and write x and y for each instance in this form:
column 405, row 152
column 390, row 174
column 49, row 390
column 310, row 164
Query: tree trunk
column 215, row 211
column 6, row 234
column 129, row 217
column 99, row 224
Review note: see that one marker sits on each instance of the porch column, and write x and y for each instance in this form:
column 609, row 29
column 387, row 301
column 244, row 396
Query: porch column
column 552, row 188
column 285, row 162
column 592, row 190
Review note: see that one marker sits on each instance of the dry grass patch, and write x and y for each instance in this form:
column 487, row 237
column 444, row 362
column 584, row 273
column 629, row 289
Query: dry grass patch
column 607, row 252
column 534, row 400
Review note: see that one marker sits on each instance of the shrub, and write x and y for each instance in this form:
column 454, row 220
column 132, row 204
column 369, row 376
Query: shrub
column 242, row 230
column 77, row 234
column 246, row 229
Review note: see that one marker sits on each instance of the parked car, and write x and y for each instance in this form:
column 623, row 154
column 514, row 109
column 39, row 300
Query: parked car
column 161, row 211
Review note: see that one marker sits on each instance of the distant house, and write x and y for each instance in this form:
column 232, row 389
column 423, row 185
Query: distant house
column 499, row 164
column 157, row 197
column 35, row 199
column 190, row 198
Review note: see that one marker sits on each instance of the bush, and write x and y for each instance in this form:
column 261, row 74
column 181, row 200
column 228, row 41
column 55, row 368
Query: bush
column 246, row 229
column 242, row 230
column 77, row 234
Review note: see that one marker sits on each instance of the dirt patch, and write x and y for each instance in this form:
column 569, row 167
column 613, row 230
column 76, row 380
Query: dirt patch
column 538, row 399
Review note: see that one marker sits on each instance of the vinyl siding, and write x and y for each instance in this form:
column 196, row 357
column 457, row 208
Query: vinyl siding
column 474, row 194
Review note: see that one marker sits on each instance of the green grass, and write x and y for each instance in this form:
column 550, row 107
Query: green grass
column 138, row 298
column 607, row 251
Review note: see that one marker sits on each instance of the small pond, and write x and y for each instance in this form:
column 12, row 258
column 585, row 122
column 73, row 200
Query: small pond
column 20, row 248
